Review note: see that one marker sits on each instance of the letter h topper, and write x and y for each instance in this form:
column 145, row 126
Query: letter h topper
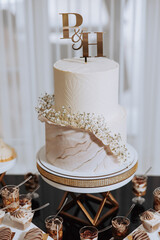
column 83, row 36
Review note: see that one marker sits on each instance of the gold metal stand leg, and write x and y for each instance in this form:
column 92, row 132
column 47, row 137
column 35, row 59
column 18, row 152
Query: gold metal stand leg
column 77, row 200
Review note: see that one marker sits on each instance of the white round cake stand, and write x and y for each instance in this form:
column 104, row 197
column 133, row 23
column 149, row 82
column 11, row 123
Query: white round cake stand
column 5, row 166
column 85, row 183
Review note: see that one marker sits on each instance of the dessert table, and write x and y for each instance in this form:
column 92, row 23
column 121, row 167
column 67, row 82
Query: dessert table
column 52, row 195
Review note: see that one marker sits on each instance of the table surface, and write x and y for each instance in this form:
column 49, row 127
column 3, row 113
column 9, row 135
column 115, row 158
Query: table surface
column 52, row 195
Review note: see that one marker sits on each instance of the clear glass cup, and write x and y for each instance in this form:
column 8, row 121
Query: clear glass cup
column 54, row 227
column 88, row 233
column 156, row 201
column 10, row 196
column 25, row 201
column 139, row 186
column 32, row 184
column 120, row 226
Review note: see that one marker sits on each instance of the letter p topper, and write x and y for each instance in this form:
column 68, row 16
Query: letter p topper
column 66, row 27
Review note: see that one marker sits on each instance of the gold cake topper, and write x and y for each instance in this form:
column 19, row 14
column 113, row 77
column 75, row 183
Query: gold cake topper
column 80, row 36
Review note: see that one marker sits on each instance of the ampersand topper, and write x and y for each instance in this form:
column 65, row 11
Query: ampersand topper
column 80, row 36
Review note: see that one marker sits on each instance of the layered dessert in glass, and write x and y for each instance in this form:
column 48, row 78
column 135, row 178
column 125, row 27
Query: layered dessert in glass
column 25, row 201
column 156, row 195
column 88, row 233
column 10, row 197
column 32, row 183
column 54, row 226
column 139, row 185
column 150, row 220
column 2, row 214
column 120, row 226
column 21, row 218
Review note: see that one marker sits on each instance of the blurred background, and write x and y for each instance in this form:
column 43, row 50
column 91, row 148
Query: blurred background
column 30, row 32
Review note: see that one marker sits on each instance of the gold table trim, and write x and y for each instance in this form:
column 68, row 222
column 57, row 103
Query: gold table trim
column 88, row 183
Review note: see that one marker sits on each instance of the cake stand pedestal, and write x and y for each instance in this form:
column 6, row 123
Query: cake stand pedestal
column 85, row 185
column 106, row 200
column 4, row 167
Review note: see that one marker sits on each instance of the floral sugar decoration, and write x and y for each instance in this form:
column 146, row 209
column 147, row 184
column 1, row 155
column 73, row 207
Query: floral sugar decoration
column 86, row 121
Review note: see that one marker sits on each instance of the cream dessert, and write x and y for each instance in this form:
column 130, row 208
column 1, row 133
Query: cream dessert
column 10, row 197
column 54, row 227
column 2, row 214
column 21, row 218
column 150, row 220
column 5, row 233
column 88, row 233
column 85, row 126
column 156, row 195
column 34, row 234
column 120, row 227
column 32, row 184
column 25, row 201
column 6, row 152
column 139, row 184
column 140, row 235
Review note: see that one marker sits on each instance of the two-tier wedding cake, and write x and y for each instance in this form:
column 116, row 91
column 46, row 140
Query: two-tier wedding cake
column 85, row 126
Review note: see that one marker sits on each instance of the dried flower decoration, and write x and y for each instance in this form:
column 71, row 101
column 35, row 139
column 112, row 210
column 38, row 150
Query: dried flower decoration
column 86, row 121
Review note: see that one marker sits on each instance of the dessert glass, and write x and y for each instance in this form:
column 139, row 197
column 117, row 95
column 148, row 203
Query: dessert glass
column 156, row 202
column 54, row 226
column 32, row 184
column 139, row 183
column 2, row 214
column 25, row 201
column 120, row 226
column 150, row 220
column 21, row 218
column 88, row 233
column 10, row 196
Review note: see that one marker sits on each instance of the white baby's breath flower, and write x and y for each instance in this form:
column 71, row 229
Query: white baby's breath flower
column 87, row 121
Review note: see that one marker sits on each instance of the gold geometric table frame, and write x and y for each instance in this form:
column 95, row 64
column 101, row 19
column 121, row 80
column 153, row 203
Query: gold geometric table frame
column 77, row 200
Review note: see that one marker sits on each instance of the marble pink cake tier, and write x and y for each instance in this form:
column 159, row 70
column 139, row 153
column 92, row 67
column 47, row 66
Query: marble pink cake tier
column 77, row 150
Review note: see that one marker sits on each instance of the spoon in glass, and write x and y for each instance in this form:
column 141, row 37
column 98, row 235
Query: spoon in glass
column 26, row 180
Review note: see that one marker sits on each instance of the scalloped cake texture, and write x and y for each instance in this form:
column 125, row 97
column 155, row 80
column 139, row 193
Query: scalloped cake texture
column 90, row 87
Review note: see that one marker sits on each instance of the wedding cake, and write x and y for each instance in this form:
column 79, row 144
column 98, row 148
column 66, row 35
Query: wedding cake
column 85, row 127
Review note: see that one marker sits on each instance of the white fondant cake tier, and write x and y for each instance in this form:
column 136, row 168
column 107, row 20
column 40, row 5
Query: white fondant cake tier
column 117, row 122
column 90, row 87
